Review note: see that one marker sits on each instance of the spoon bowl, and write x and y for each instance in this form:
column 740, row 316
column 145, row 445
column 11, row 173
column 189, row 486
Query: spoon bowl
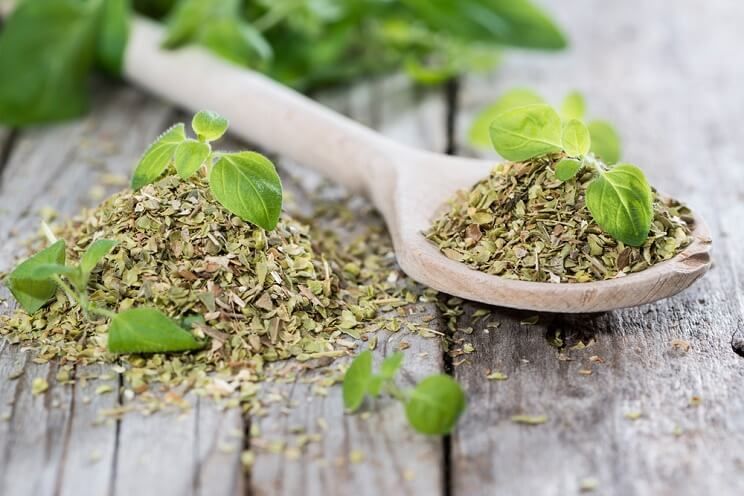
column 408, row 186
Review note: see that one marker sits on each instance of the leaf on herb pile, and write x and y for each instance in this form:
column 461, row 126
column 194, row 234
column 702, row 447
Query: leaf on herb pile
column 525, row 132
column 576, row 140
column 567, row 168
column 356, row 381
column 605, row 141
column 620, row 201
column 479, row 134
column 512, row 22
column 435, row 405
column 158, row 156
column 32, row 294
column 113, row 34
column 247, row 184
column 189, row 156
column 44, row 272
column 208, row 125
column 574, row 106
column 47, row 49
column 94, row 254
column 146, row 330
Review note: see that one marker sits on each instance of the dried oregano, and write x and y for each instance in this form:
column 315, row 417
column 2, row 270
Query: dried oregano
column 522, row 222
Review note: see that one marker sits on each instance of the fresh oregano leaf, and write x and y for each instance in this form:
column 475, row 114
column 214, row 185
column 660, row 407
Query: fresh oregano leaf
column 209, row 126
column 567, row 168
column 189, row 156
column 605, row 141
column 47, row 50
column 113, row 34
column 576, row 140
column 621, row 202
column 146, row 330
column 247, row 184
column 31, row 293
column 158, row 156
column 574, row 106
column 356, row 381
column 525, row 132
column 94, row 254
column 479, row 134
column 435, row 404
column 391, row 365
column 46, row 271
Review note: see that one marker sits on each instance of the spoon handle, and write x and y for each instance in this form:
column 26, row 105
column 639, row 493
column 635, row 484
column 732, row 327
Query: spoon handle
column 260, row 110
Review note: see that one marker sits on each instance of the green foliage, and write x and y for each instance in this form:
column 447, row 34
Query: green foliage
column 432, row 407
column 209, row 126
column 605, row 141
column 158, row 156
column 189, row 156
column 567, row 168
column 146, row 330
column 480, row 134
column 247, row 184
column 435, row 405
column 93, row 255
column 620, row 201
column 27, row 288
column 576, row 139
column 525, row 132
column 574, row 106
column 302, row 43
column 356, row 381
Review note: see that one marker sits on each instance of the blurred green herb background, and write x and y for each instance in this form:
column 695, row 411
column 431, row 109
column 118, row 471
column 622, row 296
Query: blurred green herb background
column 48, row 48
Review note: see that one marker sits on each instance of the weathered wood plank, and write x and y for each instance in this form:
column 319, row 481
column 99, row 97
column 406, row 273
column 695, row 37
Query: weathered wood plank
column 352, row 453
column 637, row 72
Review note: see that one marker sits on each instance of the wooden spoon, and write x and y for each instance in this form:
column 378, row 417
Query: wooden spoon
column 408, row 186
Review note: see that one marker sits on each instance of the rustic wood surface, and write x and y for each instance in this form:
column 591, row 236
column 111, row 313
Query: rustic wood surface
column 671, row 80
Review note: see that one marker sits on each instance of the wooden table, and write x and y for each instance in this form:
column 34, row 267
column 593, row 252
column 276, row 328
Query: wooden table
column 671, row 77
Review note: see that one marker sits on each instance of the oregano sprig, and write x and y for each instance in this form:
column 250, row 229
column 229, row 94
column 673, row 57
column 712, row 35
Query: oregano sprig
column 432, row 407
column 245, row 183
column 36, row 280
column 619, row 198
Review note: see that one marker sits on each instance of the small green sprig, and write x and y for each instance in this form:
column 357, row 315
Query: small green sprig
column 245, row 183
column 36, row 280
column 432, row 407
column 618, row 197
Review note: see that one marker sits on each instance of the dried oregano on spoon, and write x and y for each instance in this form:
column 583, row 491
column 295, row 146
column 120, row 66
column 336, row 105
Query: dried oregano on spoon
column 556, row 212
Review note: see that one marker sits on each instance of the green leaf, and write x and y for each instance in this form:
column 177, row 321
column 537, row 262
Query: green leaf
column 506, row 22
column 209, row 126
column 357, row 380
column 47, row 49
column 567, row 168
column 247, row 184
column 113, row 34
column 391, row 364
column 605, row 141
column 621, row 202
column 189, row 156
column 146, row 330
column 94, row 254
column 32, row 294
column 45, row 272
column 574, row 106
column 576, row 139
column 158, row 156
column 525, row 132
column 435, row 405
column 479, row 134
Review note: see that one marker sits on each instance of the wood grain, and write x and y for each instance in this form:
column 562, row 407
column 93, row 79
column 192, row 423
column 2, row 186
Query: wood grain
column 639, row 73
column 364, row 454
